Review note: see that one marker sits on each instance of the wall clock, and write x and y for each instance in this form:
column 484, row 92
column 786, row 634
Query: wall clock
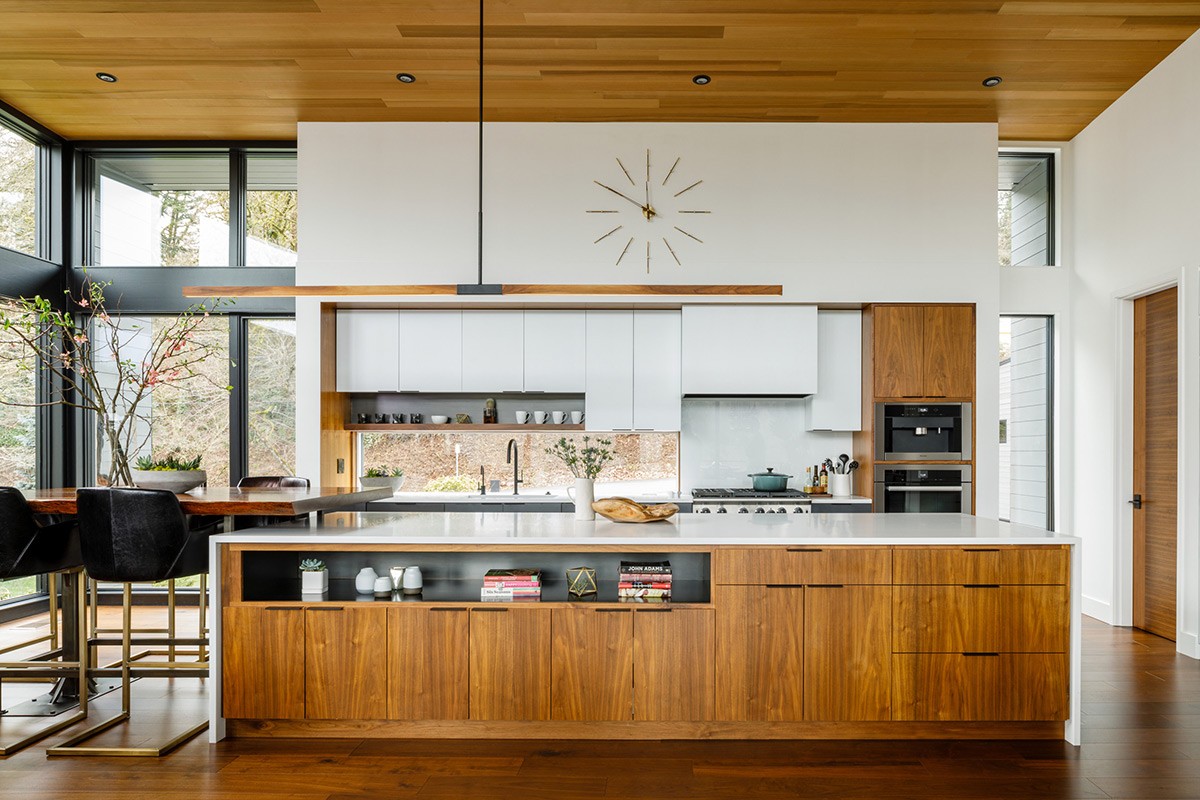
column 655, row 216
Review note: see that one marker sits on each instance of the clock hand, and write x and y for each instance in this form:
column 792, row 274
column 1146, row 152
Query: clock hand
column 648, row 210
column 620, row 194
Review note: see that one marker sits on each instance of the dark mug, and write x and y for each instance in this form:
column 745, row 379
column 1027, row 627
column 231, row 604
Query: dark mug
column 363, row 419
column 397, row 419
column 415, row 419
column 380, row 419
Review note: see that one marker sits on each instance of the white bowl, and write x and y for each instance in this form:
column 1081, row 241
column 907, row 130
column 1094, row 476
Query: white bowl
column 438, row 419
column 384, row 482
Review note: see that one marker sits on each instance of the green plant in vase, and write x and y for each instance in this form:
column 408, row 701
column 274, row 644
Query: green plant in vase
column 382, row 477
column 585, row 463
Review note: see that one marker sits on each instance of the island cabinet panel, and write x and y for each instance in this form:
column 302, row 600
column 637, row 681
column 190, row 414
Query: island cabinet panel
column 760, row 653
column 847, row 653
column 673, row 664
column 800, row 565
column 968, row 564
column 427, row 662
column 985, row 687
column 510, row 663
column 949, row 353
column 899, row 351
column 981, row 618
column 263, row 662
column 591, row 664
column 345, row 657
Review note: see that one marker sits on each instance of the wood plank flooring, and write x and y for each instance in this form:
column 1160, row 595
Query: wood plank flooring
column 1141, row 741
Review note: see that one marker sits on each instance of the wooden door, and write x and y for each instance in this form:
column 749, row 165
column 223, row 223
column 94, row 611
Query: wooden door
column 949, row 354
column 673, row 675
column 1155, row 460
column 427, row 662
column 899, row 360
column 760, row 653
column 847, row 652
column 263, row 662
column 345, row 662
column 510, row 663
column 591, row 664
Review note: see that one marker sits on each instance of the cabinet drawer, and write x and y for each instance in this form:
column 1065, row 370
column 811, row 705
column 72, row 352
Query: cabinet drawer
column 970, row 564
column 980, row 618
column 803, row 565
column 985, row 688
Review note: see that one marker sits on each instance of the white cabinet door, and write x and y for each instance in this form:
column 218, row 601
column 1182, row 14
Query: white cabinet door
column 608, row 401
column 368, row 347
column 493, row 351
column 837, row 405
column 430, row 351
column 749, row 350
column 656, row 393
column 555, row 343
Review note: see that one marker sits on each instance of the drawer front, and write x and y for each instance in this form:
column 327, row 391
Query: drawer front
column 803, row 565
column 967, row 564
column 980, row 618
column 953, row 687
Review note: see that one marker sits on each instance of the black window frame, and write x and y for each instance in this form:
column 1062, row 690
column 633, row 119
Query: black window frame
column 1051, row 159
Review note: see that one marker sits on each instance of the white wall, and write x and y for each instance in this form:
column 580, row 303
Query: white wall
column 849, row 213
column 1137, row 227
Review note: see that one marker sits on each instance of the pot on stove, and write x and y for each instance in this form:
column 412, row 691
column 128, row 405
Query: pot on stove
column 769, row 481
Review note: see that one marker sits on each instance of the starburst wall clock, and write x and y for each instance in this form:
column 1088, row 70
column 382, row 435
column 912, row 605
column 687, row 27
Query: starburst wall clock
column 656, row 218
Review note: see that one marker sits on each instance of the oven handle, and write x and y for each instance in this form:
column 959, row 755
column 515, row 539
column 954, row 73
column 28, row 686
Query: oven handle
column 925, row 489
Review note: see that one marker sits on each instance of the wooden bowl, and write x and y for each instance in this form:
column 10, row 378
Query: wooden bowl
column 622, row 509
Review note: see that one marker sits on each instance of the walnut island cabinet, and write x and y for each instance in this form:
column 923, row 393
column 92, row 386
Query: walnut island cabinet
column 852, row 626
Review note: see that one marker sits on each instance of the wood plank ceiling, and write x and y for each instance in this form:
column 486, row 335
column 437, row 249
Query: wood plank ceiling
column 250, row 69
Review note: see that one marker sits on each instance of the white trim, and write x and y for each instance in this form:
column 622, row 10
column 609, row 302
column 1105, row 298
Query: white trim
column 1096, row 609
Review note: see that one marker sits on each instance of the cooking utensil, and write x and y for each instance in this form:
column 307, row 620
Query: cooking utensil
column 769, row 481
column 845, row 459
column 853, row 465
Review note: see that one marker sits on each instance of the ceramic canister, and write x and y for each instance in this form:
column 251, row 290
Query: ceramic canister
column 413, row 580
column 364, row 582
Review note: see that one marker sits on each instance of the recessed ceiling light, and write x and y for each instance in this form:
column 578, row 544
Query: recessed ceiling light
column 405, row 77
column 995, row 80
column 701, row 80
column 106, row 77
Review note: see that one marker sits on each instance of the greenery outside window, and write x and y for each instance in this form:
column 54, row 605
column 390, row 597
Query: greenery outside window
column 19, row 180
column 18, row 436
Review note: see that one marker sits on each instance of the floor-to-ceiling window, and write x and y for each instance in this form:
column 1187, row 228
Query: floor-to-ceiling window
column 271, row 396
column 18, row 429
column 18, row 192
column 1026, row 432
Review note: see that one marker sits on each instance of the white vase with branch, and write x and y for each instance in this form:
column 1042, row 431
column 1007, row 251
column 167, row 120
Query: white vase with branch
column 87, row 350
column 585, row 464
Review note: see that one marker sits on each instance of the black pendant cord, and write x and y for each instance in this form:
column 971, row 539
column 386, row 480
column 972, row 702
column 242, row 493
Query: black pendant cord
column 480, row 277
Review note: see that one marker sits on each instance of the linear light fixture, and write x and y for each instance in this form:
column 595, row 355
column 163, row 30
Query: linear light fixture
column 450, row 290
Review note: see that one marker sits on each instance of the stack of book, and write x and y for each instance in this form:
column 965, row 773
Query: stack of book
column 645, row 581
column 504, row 585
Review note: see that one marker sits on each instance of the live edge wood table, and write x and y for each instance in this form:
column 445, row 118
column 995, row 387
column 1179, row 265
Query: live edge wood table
column 833, row 626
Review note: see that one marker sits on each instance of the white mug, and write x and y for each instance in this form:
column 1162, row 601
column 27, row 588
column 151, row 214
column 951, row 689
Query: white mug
column 413, row 580
column 539, row 417
column 576, row 417
column 522, row 417
column 557, row 417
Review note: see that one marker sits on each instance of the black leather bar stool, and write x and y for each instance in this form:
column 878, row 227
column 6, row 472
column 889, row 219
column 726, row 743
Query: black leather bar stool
column 28, row 549
column 133, row 536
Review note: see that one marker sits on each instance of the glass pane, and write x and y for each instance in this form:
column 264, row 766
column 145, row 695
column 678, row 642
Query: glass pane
column 18, row 423
column 1025, row 209
column 167, row 210
column 271, row 396
column 271, row 210
column 1025, row 396
column 17, row 588
column 18, row 192
column 192, row 415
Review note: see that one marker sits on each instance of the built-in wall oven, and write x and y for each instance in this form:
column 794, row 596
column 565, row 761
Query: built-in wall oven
column 922, row 432
column 919, row 489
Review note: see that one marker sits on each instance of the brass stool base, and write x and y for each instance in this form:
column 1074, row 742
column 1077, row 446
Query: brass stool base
column 46, row 706
column 71, row 746
column 50, row 730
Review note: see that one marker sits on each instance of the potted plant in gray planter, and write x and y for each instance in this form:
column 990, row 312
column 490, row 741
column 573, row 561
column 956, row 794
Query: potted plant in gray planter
column 173, row 473
column 382, row 477
column 314, row 578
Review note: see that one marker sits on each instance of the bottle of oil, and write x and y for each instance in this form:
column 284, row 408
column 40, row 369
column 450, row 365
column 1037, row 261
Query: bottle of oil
column 489, row 412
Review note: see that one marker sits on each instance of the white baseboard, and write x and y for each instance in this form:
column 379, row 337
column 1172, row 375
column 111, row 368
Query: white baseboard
column 1188, row 645
column 1097, row 609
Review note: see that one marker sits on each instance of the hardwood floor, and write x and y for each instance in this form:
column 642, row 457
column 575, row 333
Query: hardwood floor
column 1141, row 731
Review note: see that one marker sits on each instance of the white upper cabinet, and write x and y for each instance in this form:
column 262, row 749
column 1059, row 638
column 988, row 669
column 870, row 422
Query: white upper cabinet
column 656, row 370
column 747, row 350
column 368, row 350
column 431, row 351
column 555, row 344
column 837, row 405
column 493, row 351
column 609, row 362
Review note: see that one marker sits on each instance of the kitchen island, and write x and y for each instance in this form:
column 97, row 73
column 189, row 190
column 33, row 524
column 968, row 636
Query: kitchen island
column 808, row 626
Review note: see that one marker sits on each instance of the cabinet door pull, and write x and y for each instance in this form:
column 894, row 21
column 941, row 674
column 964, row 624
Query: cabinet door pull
column 983, row 655
column 327, row 608
column 785, row 585
column 981, row 586
column 491, row 610
column 805, row 550
column 824, row 586
column 444, row 608
column 278, row 608
column 981, row 549
column 654, row 610
column 613, row 610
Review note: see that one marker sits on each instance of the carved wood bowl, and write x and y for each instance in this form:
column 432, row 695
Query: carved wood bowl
column 622, row 509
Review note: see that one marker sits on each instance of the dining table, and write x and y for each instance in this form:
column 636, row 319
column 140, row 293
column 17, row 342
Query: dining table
column 228, row 502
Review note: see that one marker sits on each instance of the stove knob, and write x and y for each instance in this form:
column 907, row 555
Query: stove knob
column 703, row 511
column 743, row 511
column 722, row 510
column 781, row 510
column 759, row 510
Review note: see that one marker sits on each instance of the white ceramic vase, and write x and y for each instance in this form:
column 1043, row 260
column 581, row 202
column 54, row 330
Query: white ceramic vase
column 582, row 494
column 364, row 582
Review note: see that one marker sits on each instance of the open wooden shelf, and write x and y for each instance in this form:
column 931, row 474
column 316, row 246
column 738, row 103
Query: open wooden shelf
column 453, row 426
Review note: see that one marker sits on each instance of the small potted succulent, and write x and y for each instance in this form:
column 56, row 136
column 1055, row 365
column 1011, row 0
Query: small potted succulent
column 381, row 478
column 314, row 578
column 174, row 473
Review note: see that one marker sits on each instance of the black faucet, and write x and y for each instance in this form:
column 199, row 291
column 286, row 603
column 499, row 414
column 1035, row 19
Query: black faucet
column 482, row 481
column 514, row 458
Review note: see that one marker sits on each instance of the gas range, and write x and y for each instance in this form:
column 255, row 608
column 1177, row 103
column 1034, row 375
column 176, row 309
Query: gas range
column 749, row 501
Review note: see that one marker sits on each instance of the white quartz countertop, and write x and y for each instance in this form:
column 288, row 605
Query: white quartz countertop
column 492, row 528
column 474, row 497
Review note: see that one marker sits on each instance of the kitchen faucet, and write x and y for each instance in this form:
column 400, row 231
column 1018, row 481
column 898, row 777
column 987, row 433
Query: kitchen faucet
column 514, row 458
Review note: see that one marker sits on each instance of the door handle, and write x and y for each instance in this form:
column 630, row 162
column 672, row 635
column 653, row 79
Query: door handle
column 1136, row 502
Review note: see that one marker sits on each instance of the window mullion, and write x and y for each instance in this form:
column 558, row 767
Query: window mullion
column 237, row 208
